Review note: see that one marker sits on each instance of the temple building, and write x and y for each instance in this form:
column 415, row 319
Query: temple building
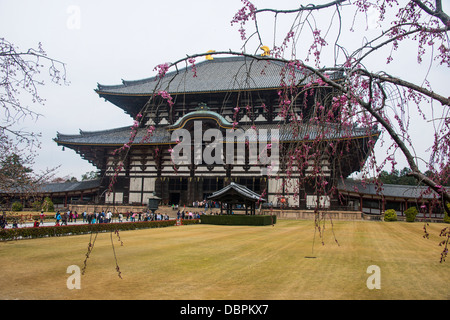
column 212, row 100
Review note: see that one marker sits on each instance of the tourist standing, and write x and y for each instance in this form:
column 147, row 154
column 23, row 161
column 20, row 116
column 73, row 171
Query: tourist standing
column 64, row 218
column 108, row 216
column 58, row 218
column 3, row 222
column 42, row 216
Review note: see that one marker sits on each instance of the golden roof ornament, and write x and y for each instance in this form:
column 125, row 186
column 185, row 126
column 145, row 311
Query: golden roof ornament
column 266, row 50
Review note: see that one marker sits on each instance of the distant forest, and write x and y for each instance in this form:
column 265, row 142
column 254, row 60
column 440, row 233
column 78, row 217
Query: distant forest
column 402, row 177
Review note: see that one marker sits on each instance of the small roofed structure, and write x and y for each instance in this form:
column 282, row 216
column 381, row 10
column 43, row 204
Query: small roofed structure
column 236, row 194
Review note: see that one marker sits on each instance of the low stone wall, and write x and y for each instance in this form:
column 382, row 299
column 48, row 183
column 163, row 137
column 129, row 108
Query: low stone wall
column 281, row 214
column 310, row 215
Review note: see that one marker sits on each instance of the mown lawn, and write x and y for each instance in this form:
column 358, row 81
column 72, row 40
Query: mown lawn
column 286, row 261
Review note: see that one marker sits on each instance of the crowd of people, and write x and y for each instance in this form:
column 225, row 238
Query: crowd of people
column 3, row 222
column 63, row 218
column 14, row 221
column 106, row 216
column 188, row 215
column 143, row 216
column 207, row 205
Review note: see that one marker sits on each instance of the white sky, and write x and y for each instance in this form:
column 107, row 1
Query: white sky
column 113, row 40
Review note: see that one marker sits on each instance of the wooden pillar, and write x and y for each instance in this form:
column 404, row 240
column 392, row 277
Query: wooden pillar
column 126, row 182
column 190, row 190
column 159, row 187
column 165, row 190
column 430, row 209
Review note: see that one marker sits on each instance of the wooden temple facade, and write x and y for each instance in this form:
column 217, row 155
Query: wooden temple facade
column 224, row 94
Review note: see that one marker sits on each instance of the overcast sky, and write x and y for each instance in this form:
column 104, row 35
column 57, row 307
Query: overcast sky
column 105, row 41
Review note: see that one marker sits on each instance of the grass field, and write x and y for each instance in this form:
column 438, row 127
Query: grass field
column 285, row 261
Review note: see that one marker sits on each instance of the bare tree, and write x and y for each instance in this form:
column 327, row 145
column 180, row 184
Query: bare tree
column 19, row 93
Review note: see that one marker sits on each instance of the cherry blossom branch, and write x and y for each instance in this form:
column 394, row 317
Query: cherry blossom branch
column 438, row 12
column 309, row 7
column 388, row 127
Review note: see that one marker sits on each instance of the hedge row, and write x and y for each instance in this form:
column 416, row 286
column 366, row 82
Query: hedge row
column 239, row 220
column 56, row 231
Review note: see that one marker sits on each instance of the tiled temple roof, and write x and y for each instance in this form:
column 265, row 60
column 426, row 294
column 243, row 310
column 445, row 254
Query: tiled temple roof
column 387, row 190
column 114, row 137
column 234, row 189
column 161, row 135
column 220, row 74
column 57, row 187
column 69, row 186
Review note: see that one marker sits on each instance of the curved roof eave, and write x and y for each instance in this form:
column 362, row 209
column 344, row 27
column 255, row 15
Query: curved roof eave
column 217, row 75
column 200, row 114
